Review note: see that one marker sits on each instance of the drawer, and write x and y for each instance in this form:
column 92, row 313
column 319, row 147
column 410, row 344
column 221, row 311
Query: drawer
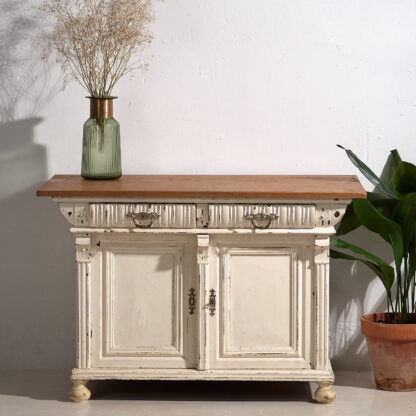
column 261, row 216
column 143, row 215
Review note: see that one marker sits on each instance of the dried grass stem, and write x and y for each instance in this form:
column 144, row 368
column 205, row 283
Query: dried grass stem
column 95, row 40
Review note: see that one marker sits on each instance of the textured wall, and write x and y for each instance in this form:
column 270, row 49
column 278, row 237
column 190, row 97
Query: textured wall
column 236, row 86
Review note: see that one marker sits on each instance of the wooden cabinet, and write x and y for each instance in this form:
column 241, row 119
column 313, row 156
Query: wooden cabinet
column 203, row 278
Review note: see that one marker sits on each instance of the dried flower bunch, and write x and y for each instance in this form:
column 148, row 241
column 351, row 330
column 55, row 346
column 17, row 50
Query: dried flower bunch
column 99, row 41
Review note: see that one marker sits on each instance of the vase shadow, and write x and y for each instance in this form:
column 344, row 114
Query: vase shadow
column 36, row 268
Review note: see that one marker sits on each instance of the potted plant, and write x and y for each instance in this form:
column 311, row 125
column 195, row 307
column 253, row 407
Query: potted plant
column 97, row 42
column 390, row 212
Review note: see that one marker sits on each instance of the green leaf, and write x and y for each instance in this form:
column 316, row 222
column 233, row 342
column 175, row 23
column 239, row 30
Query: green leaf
column 405, row 215
column 390, row 168
column 383, row 203
column 383, row 270
column 369, row 174
column 373, row 220
column 348, row 222
column 404, row 180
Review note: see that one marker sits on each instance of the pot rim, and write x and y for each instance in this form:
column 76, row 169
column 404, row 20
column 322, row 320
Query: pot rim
column 373, row 329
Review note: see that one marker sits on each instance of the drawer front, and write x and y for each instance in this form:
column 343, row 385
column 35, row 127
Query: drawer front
column 143, row 215
column 261, row 216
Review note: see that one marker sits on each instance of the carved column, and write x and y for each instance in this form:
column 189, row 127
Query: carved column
column 83, row 257
column 79, row 391
column 202, row 260
column 321, row 301
column 325, row 393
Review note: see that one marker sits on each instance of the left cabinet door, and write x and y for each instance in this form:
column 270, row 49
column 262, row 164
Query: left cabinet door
column 141, row 312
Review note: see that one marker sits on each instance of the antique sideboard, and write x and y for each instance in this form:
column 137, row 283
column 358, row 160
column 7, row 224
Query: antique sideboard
column 203, row 277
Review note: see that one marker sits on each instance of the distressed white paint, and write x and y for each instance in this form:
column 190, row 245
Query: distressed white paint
column 83, row 258
column 168, row 215
column 192, row 374
column 140, row 302
column 261, row 318
column 261, row 296
column 287, row 216
column 203, row 293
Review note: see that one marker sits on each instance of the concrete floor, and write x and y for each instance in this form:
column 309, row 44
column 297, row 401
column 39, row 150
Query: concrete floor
column 45, row 393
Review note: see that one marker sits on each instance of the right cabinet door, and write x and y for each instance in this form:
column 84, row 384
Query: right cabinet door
column 264, row 302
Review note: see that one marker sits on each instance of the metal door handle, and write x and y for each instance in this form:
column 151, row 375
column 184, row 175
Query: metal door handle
column 212, row 303
column 191, row 301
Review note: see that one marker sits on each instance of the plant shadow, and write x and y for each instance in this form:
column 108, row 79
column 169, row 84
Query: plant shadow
column 353, row 293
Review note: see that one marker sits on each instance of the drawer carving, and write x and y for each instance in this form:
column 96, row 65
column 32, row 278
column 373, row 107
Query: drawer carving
column 143, row 215
column 261, row 216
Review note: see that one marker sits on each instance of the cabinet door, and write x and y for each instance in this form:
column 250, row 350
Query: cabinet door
column 140, row 287
column 263, row 289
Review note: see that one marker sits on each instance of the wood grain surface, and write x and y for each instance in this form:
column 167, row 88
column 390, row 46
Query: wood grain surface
column 208, row 186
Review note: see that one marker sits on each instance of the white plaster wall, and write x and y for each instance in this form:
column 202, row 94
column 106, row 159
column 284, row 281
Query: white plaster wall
column 234, row 86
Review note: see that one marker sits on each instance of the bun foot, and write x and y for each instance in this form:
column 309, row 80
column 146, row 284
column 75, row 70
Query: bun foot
column 325, row 394
column 79, row 393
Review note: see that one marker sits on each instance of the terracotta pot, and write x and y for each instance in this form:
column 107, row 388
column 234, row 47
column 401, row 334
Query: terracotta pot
column 392, row 349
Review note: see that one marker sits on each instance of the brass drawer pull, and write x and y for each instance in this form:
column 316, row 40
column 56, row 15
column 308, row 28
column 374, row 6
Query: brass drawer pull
column 261, row 221
column 143, row 219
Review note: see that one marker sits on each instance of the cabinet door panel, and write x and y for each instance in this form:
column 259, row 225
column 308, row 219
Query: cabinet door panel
column 258, row 288
column 142, row 302
column 263, row 289
column 140, row 317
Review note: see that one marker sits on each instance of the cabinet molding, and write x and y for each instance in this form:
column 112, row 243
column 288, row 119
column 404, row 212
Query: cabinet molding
column 203, row 290
column 83, row 258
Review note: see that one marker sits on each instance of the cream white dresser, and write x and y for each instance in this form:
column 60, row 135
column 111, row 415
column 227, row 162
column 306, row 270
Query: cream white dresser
column 203, row 277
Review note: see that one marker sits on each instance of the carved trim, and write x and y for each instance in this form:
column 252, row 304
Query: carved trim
column 283, row 216
column 329, row 215
column 122, row 215
column 83, row 257
column 283, row 374
column 203, row 281
column 322, row 250
column 76, row 213
column 202, row 216
column 83, row 214
column 321, row 291
column 203, row 245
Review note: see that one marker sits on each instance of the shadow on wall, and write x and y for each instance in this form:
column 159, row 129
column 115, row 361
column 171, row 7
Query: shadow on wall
column 354, row 291
column 36, row 267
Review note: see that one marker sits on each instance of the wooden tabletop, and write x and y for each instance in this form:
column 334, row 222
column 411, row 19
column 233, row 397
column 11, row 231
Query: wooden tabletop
column 207, row 186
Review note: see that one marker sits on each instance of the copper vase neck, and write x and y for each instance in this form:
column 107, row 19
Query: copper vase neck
column 101, row 108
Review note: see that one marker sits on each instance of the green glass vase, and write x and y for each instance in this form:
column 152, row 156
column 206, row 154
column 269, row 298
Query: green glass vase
column 101, row 152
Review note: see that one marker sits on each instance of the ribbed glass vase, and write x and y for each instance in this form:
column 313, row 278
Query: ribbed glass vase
column 101, row 151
